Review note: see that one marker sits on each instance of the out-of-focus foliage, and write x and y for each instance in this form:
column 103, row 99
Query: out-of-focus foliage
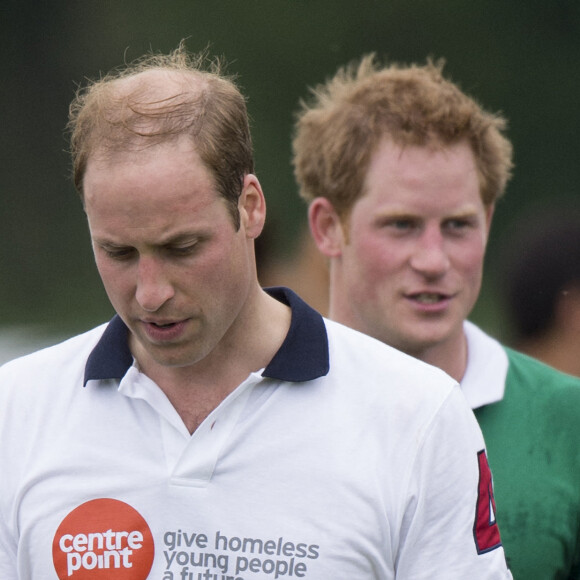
column 520, row 57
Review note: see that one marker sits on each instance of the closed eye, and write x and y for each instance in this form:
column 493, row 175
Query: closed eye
column 183, row 246
column 119, row 253
column 181, row 251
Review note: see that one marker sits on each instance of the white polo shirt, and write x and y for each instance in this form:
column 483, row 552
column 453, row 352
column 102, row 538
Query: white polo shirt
column 343, row 459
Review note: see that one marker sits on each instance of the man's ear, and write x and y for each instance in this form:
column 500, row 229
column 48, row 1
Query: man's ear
column 252, row 206
column 326, row 227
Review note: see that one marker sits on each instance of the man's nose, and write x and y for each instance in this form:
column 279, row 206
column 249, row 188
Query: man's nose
column 430, row 256
column 154, row 288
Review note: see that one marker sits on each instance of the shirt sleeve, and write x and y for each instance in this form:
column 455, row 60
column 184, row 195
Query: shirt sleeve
column 449, row 530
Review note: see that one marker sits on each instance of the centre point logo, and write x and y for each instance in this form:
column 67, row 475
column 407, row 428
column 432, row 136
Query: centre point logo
column 103, row 539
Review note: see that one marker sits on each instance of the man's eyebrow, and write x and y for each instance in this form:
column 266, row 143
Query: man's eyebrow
column 170, row 239
column 396, row 214
column 107, row 243
column 469, row 212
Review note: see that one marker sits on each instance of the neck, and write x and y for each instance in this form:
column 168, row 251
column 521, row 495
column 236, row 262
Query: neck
column 450, row 356
column 197, row 389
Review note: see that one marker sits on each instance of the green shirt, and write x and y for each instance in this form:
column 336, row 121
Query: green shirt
column 533, row 443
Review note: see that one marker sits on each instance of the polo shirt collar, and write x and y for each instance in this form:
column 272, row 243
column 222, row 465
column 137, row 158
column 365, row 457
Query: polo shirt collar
column 487, row 367
column 303, row 355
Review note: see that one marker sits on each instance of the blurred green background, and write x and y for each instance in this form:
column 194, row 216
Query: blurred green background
column 518, row 57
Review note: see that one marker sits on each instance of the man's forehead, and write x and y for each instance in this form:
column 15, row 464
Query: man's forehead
column 141, row 152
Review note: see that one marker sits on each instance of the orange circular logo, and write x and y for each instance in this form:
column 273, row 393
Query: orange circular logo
column 103, row 538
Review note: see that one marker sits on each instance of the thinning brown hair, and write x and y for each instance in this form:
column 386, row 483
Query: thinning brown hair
column 126, row 110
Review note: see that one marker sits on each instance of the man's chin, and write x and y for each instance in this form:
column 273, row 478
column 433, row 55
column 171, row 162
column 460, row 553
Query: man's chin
column 165, row 356
column 417, row 342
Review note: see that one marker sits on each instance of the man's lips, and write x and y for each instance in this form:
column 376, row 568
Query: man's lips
column 428, row 297
column 162, row 324
column 430, row 301
column 164, row 329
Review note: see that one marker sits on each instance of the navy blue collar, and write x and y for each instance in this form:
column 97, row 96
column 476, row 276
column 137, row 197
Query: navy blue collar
column 303, row 355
